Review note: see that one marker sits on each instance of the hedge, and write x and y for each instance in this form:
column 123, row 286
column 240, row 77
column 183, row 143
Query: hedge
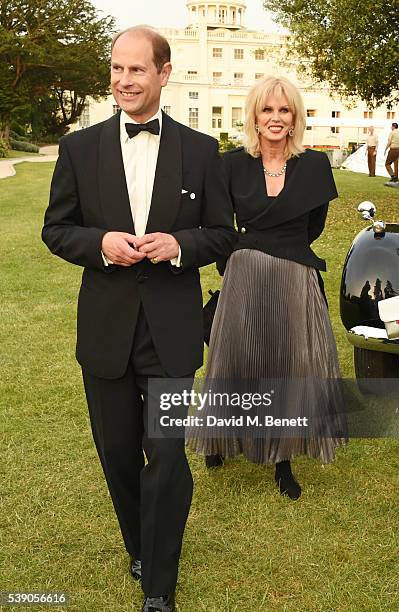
column 18, row 145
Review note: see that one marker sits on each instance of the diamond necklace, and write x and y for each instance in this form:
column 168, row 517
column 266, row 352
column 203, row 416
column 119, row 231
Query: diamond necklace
column 278, row 173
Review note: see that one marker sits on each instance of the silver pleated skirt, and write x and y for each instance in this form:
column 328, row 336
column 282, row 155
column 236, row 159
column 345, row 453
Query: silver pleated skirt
column 272, row 322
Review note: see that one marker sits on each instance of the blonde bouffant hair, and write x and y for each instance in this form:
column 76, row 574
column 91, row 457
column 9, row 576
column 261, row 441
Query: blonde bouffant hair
column 255, row 103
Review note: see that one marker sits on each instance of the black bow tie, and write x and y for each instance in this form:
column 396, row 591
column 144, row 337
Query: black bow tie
column 135, row 128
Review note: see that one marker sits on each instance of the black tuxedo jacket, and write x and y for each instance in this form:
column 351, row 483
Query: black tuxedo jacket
column 89, row 197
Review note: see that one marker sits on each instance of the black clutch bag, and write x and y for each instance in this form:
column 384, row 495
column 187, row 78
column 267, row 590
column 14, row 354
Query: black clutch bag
column 209, row 312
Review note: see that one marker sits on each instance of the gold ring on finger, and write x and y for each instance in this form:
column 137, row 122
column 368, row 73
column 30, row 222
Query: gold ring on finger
column 154, row 260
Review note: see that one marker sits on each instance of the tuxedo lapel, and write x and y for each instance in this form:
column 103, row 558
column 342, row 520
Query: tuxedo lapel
column 166, row 193
column 114, row 196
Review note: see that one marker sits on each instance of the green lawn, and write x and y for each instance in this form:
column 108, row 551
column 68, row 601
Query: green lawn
column 14, row 154
column 246, row 548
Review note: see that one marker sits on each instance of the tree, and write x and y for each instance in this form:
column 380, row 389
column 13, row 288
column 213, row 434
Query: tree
column 353, row 45
column 53, row 55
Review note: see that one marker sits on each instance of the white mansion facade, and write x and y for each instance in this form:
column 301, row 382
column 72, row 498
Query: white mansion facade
column 216, row 59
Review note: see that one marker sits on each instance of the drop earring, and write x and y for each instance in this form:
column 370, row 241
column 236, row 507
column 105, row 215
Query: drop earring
column 291, row 132
column 257, row 128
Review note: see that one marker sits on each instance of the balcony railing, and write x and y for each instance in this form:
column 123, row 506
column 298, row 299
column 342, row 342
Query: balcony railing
column 270, row 39
column 212, row 35
column 172, row 33
column 191, row 33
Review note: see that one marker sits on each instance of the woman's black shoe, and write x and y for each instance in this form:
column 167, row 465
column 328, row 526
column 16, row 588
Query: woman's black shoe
column 214, row 461
column 286, row 481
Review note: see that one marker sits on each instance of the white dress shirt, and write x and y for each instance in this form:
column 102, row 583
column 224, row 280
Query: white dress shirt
column 140, row 156
column 372, row 140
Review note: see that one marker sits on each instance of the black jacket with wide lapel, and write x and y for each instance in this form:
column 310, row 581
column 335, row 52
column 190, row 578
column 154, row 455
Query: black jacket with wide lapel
column 89, row 197
column 283, row 226
column 310, row 184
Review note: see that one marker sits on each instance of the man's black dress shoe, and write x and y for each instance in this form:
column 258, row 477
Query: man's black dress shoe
column 135, row 568
column 164, row 603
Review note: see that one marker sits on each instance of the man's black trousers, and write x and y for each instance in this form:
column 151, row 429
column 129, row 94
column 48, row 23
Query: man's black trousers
column 151, row 500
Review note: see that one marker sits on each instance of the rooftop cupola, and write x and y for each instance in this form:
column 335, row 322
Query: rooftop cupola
column 217, row 14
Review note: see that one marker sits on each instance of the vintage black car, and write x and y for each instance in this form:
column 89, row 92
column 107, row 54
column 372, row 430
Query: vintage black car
column 371, row 275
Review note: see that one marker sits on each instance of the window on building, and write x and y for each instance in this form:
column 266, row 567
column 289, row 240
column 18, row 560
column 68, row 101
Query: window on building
column 236, row 116
column 115, row 109
column 193, row 95
column 367, row 115
column 217, row 77
column 191, row 75
column 167, row 110
column 216, row 117
column 335, row 115
column 239, row 54
column 259, row 75
column 217, row 52
column 84, row 119
column 390, row 114
column 310, row 112
column 222, row 15
column 193, row 118
column 259, row 54
column 238, row 78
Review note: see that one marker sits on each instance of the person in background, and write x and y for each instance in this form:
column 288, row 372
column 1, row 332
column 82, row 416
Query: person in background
column 393, row 153
column 271, row 320
column 371, row 152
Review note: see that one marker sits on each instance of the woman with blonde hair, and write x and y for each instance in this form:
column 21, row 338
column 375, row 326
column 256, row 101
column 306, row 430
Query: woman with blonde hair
column 271, row 322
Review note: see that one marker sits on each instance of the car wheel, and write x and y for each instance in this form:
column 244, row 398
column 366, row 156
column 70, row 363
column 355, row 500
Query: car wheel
column 371, row 367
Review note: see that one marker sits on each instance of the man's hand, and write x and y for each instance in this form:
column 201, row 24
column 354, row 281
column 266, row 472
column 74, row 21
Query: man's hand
column 116, row 247
column 163, row 247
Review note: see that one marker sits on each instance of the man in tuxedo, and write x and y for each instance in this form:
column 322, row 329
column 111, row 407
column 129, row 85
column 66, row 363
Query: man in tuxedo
column 140, row 202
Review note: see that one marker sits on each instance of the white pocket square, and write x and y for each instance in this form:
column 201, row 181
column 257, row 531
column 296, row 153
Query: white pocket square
column 192, row 195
